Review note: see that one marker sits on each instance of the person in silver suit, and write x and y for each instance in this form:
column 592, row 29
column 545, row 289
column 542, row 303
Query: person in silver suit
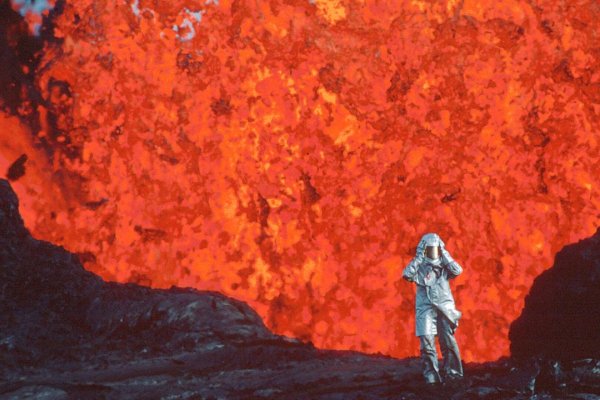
column 436, row 313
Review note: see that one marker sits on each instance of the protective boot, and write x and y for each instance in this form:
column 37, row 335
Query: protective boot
column 452, row 366
column 429, row 359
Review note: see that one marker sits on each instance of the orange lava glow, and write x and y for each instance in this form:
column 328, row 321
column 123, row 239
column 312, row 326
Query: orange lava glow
column 291, row 153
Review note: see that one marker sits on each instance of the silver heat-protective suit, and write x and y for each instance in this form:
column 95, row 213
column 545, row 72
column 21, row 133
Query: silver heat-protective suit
column 436, row 312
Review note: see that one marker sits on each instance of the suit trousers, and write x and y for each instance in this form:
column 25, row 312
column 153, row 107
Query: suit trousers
column 452, row 366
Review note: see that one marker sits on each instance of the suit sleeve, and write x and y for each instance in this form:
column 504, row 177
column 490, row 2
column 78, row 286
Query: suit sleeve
column 410, row 271
column 454, row 268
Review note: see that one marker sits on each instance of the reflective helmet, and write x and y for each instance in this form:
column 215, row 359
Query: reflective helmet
column 432, row 246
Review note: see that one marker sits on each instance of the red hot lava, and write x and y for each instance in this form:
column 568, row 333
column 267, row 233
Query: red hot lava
column 291, row 153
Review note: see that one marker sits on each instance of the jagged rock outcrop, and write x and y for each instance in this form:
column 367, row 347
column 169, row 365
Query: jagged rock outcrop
column 561, row 317
column 48, row 302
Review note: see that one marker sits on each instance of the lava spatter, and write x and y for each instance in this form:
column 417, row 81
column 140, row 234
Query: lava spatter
column 290, row 154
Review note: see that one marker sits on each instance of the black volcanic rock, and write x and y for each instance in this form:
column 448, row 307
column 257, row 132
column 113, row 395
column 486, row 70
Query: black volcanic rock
column 11, row 224
column 49, row 302
column 561, row 317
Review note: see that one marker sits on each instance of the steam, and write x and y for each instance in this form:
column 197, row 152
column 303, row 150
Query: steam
column 34, row 11
column 185, row 30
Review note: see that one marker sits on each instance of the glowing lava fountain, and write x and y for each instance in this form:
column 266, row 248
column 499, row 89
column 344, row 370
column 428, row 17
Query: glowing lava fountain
column 291, row 153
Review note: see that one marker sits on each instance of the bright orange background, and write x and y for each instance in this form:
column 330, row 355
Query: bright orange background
column 291, row 154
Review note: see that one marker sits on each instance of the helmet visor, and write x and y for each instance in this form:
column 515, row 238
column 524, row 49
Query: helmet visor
column 432, row 252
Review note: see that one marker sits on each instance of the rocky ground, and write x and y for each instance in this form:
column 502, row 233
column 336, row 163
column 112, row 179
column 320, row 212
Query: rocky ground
column 65, row 333
column 259, row 371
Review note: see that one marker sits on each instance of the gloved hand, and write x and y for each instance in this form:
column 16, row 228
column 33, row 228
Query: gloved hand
column 420, row 249
column 446, row 257
column 410, row 271
column 454, row 269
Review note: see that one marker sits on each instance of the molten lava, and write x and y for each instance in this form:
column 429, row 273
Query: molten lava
column 291, row 153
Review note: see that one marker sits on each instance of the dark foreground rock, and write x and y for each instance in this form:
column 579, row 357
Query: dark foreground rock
column 65, row 333
column 561, row 317
column 48, row 303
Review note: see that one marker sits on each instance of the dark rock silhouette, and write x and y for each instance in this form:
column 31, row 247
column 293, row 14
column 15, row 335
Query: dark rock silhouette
column 65, row 333
column 48, row 301
column 561, row 317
